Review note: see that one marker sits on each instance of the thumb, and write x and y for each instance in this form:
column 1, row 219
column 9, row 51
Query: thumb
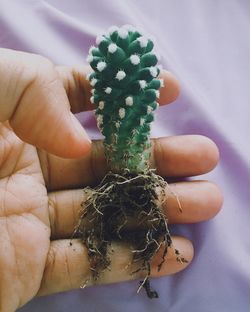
column 34, row 101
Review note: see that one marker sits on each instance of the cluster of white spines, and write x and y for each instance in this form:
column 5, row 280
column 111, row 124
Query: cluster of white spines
column 90, row 57
column 99, row 39
column 135, row 59
column 143, row 84
column 112, row 48
column 120, row 75
column 153, row 71
column 122, row 33
column 108, row 90
column 161, row 82
column 129, row 101
column 157, row 93
column 93, row 82
column 143, row 41
column 99, row 119
column 101, row 66
column 122, row 112
column 101, row 105
column 127, row 28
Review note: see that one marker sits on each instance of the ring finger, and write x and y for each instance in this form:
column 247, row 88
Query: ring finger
column 199, row 200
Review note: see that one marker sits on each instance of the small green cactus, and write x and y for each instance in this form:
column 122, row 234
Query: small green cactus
column 126, row 207
column 125, row 92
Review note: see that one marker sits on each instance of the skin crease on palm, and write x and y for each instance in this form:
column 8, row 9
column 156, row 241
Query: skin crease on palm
column 46, row 159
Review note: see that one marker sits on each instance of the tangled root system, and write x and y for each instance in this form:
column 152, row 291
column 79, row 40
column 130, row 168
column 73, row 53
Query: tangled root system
column 125, row 208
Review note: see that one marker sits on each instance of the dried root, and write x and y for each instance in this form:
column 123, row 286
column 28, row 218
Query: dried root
column 125, row 208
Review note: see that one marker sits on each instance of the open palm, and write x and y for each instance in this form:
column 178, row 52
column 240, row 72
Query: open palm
column 41, row 194
column 24, row 220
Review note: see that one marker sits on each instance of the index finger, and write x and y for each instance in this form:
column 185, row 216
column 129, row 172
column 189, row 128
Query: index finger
column 78, row 87
column 34, row 102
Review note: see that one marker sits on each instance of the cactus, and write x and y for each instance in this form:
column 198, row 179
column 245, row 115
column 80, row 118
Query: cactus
column 126, row 206
column 125, row 90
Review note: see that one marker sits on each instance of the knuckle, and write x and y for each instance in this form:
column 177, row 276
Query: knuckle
column 42, row 71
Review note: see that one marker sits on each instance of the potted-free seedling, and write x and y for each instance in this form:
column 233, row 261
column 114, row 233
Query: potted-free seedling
column 127, row 204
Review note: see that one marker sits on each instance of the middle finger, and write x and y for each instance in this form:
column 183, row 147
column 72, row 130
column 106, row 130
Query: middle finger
column 177, row 156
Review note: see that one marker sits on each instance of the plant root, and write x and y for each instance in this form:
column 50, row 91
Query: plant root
column 126, row 208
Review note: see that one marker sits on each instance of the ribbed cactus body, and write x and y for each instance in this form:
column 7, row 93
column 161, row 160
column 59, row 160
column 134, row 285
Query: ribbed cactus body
column 125, row 92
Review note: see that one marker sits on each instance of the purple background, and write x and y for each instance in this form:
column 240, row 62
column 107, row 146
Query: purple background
column 206, row 44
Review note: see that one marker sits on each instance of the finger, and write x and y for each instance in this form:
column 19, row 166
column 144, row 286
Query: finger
column 176, row 156
column 120, row 271
column 78, row 87
column 171, row 89
column 171, row 265
column 192, row 202
column 199, row 200
column 183, row 156
column 33, row 99
column 67, row 265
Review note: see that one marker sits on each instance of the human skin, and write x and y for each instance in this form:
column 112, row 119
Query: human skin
column 46, row 159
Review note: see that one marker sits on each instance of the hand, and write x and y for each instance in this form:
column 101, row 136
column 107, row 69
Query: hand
column 41, row 193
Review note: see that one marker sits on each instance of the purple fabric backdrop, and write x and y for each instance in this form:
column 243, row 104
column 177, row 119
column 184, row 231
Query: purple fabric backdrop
column 206, row 45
